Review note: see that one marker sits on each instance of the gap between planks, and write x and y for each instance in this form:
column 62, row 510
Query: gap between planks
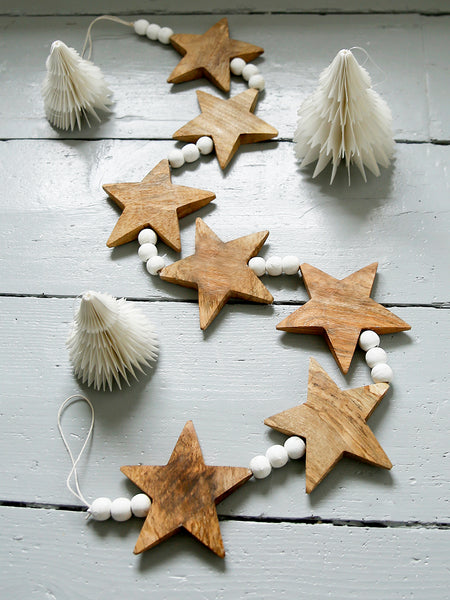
column 238, row 12
column 431, row 141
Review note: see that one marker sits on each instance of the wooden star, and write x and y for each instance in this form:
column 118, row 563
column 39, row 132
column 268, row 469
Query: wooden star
column 219, row 271
column 340, row 310
column 333, row 422
column 229, row 123
column 153, row 202
column 209, row 55
column 184, row 494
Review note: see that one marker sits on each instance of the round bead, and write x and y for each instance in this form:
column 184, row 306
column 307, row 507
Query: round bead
column 121, row 509
column 382, row 373
column 140, row 505
column 152, row 31
column 291, row 265
column 155, row 264
column 147, row 236
column 295, row 447
column 205, row 145
column 369, row 339
column 237, row 66
column 274, row 265
column 257, row 82
column 176, row 158
column 140, row 26
column 277, row 456
column 257, row 265
column 100, row 509
column 249, row 70
column 375, row 356
column 260, row 467
column 190, row 153
column 146, row 251
column 164, row 35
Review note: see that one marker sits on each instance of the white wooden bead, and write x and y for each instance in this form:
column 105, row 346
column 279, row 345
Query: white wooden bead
column 291, row 265
column 152, row 31
column 121, row 509
column 382, row 373
column 146, row 251
column 369, row 339
column 277, row 456
column 140, row 26
column 164, row 35
column 140, row 505
column 257, row 265
column 100, row 509
column 155, row 264
column 274, row 265
column 147, row 236
column 295, row 447
column 257, row 82
column 175, row 158
column 205, row 144
column 190, row 153
column 249, row 70
column 375, row 356
column 237, row 66
column 260, row 467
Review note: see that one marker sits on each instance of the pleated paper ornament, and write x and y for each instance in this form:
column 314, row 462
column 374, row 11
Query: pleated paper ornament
column 344, row 119
column 110, row 339
column 73, row 88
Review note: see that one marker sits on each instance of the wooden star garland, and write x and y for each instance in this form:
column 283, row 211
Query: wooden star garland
column 219, row 271
column 184, row 494
column 209, row 55
column 229, row 123
column 333, row 422
column 154, row 202
column 340, row 310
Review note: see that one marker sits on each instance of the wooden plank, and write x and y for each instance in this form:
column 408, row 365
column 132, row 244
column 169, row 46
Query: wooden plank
column 56, row 554
column 297, row 48
column 227, row 383
column 57, row 219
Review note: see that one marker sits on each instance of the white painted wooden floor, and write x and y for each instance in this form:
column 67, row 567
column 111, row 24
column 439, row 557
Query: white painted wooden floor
column 365, row 532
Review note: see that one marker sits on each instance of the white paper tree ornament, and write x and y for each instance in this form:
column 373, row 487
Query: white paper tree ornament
column 110, row 338
column 344, row 119
column 73, row 88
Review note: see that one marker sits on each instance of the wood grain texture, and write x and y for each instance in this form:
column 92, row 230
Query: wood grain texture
column 230, row 123
column 340, row 310
column 219, row 271
column 209, row 55
column 333, row 423
column 154, row 202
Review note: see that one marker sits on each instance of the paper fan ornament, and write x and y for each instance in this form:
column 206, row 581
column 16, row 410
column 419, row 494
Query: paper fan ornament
column 73, row 88
column 344, row 119
column 110, row 339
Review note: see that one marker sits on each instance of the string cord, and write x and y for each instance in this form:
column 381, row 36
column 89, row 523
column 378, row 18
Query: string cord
column 73, row 471
column 88, row 39
column 368, row 57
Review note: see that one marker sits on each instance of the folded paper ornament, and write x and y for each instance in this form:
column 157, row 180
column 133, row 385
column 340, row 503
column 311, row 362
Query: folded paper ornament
column 109, row 339
column 344, row 119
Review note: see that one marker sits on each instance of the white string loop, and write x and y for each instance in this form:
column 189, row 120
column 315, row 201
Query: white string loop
column 88, row 39
column 368, row 57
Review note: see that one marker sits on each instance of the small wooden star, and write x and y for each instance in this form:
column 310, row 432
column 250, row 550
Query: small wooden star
column 208, row 55
column 340, row 310
column 229, row 123
column 153, row 202
column 333, row 422
column 219, row 271
column 184, row 494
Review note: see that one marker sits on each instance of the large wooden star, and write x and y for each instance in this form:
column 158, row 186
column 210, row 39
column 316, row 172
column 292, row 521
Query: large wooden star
column 153, row 202
column 184, row 494
column 333, row 422
column 219, row 271
column 229, row 123
column 340, row 310
column 208, row 55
